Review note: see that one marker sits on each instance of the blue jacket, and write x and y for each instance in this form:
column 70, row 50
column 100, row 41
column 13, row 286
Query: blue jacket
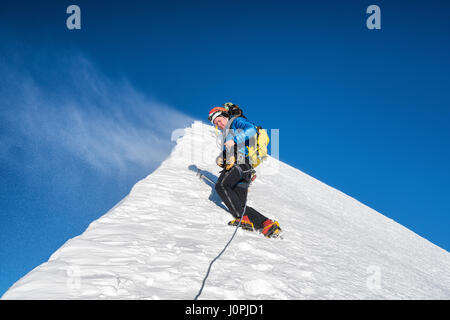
column 241, row 131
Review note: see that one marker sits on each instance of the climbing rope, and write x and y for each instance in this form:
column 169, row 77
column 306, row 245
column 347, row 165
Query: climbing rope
column 229, row 241
column 218, row 256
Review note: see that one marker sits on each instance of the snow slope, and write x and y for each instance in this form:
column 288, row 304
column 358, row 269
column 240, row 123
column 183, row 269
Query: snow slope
column 158, row 241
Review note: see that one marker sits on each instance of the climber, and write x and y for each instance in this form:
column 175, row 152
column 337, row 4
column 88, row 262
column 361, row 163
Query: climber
column 232, row 184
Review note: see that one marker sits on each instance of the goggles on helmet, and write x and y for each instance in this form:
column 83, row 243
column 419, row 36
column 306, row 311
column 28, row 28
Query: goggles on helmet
column 216, row 112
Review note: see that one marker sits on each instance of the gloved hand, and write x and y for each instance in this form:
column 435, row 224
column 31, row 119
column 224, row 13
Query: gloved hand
column 219, row 161
column 230, row 163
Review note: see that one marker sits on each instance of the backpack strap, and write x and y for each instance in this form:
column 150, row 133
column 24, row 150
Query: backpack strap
column 227, row 129
column 257, row 140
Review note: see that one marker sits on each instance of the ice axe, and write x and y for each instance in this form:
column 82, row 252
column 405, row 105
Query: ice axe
column 202, row 176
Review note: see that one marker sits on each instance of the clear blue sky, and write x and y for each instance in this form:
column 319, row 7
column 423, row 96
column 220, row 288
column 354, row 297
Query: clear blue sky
column 365, row 111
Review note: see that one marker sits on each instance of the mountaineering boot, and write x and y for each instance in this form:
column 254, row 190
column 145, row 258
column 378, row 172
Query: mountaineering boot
column 271, row 229
column 246, row 224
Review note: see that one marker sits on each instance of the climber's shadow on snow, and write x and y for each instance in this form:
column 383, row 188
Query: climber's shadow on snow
column 210, row 180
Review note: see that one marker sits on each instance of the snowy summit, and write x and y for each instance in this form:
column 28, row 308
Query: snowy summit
column 158, row 241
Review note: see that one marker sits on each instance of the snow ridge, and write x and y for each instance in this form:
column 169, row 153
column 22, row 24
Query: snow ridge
column 158, row 241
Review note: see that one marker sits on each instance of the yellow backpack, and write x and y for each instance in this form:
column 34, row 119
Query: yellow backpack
column 257, row 150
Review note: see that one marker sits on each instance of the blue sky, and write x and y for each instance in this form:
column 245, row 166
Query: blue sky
column 86, row 113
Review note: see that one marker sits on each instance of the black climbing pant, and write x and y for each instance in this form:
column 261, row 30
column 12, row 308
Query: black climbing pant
column 232, row 187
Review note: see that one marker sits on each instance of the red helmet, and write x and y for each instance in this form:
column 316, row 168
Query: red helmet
column 217, row 111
